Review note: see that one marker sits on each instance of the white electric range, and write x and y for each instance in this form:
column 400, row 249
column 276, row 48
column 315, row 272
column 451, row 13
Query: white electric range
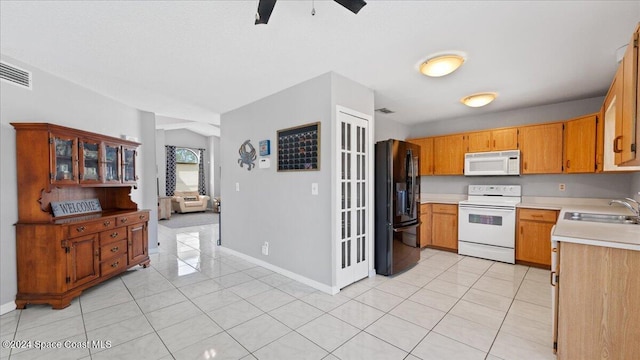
column 487, row 222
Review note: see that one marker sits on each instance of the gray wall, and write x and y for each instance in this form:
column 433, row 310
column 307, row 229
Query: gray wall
column 580, row 185
column 389, row 129
column 216, row 166
column 278, row 206
column 58, row 101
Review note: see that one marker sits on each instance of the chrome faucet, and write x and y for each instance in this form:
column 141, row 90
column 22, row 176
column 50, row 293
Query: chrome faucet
column 627, row 203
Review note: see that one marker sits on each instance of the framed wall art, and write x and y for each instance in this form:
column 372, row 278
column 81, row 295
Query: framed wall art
column 299, row 148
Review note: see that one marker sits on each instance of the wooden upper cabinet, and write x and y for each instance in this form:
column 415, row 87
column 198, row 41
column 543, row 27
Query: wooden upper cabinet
column 504, row 139
column 448, row 155
column 492, row 140
column 541, row 148
column 580, row 144
column 627, row 134
column 426, row 154
column 479, row 141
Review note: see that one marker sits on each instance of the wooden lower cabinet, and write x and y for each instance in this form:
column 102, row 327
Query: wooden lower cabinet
column 598, row 295
column 444, row 222
column 533, row 236
column 425, row 225
column 57, row 261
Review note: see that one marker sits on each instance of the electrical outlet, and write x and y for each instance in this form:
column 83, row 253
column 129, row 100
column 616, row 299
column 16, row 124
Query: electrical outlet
column 314, row 188
column 562, row 187
column 237, row 186
column 265, row 248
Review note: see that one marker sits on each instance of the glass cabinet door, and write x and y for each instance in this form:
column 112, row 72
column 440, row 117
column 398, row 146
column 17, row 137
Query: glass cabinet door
column 64, row 152
column 90, row 161
column 112, row 163
column 129, row 165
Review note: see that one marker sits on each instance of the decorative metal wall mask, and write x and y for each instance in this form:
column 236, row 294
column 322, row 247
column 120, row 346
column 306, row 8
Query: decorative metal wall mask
column 247, row 155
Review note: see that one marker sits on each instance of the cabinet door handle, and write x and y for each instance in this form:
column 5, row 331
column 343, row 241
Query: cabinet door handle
column 115, row 264
column 494, row 143
column 107, row 223
column 115, row 249
column 525, row 165
column 551, row 277
column 97, row 252
column 488, row 143
column 114, row 235
column 80, row 228
column 568, row 164
column 617, row 147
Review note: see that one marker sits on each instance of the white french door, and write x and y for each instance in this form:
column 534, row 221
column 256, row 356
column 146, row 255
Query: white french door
column 353, row 234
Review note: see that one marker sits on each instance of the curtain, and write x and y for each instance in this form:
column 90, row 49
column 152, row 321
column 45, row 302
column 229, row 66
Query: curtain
column 171, row 169
column 201, row 179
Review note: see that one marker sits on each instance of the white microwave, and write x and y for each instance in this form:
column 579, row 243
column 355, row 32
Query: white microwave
column 492, row 163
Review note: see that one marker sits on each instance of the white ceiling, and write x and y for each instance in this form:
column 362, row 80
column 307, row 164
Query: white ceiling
column 195, row 60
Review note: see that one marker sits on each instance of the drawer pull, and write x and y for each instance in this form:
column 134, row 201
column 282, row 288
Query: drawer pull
column 115, row 249
column 80, row 228
column 142, row 217
column 115, row 264
column 107, row 223
column 124, row 220
column 537, row 215
column 114, row 235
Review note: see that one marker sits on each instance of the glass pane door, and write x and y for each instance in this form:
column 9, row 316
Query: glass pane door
column 89, row 161
column 129, row 165
column 63, row 159
column 112, row 163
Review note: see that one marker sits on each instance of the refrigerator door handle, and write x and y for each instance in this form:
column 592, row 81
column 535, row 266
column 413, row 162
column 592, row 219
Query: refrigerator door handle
column 410, row 179
column 405, row 228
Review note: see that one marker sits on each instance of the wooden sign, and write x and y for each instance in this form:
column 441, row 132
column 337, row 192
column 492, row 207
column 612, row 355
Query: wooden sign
column 75, row 207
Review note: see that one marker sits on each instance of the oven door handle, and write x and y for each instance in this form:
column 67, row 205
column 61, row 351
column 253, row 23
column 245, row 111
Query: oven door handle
column 461, row 207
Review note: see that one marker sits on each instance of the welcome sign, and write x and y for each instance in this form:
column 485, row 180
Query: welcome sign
column 75, row 207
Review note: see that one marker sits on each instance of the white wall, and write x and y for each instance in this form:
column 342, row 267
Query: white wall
column 58, row 101
column 278, row 206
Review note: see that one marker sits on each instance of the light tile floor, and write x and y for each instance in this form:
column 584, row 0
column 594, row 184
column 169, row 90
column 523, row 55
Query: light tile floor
column 198, row 302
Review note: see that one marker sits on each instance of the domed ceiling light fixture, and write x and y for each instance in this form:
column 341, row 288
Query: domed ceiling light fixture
column 441, row 65
column 479, row 99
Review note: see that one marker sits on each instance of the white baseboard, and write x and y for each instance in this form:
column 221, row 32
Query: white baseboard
column 331, row 290
column 8, row 307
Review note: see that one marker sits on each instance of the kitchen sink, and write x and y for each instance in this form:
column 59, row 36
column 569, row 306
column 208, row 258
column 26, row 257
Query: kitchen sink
column 603, row 218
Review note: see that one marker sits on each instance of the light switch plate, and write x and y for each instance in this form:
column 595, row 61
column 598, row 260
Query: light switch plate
column 237, row 186
column 314, row 188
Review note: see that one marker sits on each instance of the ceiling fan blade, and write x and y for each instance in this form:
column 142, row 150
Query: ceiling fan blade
column 353, row 5
column 265, row 8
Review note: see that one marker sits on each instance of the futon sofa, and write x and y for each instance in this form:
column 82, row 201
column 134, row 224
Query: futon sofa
column 189, row 201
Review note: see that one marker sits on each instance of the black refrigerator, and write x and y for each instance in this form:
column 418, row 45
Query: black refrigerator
column 397, row 199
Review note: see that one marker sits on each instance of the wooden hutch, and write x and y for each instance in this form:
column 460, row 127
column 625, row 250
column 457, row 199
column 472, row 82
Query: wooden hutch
column 60, row 256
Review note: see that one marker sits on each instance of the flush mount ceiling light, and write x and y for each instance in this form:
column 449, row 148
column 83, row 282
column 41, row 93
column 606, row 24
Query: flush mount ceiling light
column 479, row 99
column 441, row 65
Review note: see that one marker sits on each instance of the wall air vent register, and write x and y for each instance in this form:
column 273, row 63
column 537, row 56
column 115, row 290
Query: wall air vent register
column 15, row 75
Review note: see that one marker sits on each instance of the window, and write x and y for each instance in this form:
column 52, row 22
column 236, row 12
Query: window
column 186, row 169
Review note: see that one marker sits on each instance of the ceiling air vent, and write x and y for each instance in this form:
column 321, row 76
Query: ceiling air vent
column 15, row 75
column 385, row 111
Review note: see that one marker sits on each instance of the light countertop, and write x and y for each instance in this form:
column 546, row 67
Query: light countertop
column 426, row 198
column 621, row 236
